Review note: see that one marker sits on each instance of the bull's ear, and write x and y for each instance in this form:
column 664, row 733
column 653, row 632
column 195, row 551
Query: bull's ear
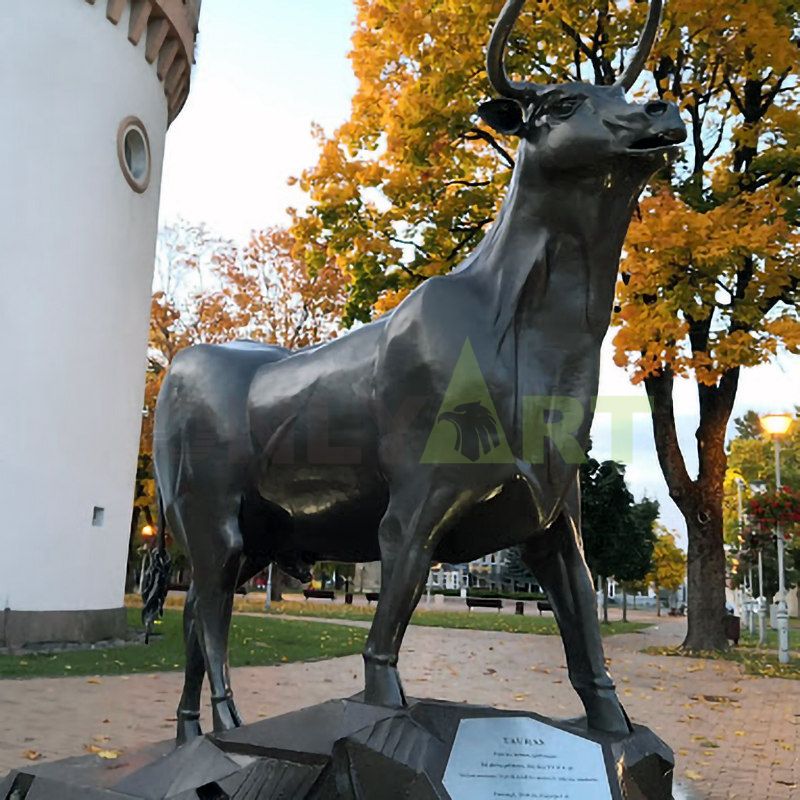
column 505, row 116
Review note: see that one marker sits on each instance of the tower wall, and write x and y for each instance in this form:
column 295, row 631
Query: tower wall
column 78, row 226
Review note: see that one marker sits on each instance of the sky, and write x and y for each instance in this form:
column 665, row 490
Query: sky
column 266, row 71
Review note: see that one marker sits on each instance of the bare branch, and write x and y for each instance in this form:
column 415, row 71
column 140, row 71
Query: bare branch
column 659, row 391
column 475, row 134
column 471, row 232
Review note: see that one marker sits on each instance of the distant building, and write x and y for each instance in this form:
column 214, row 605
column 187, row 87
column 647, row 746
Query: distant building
column 496, row 571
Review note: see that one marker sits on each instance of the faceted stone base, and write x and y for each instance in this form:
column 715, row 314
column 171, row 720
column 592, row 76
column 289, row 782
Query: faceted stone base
column 339, row 749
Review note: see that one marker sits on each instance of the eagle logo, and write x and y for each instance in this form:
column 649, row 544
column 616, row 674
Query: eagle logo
column 477, row 433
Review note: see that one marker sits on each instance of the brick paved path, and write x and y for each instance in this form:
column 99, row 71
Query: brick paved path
column 735, row 737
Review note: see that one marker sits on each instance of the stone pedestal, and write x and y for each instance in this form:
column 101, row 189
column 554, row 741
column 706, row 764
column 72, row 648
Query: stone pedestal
column 346, row 749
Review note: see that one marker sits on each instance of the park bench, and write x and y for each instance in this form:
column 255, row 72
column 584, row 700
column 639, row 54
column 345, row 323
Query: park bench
column 372, row 597
column 543, row 606
column 484, row 602
column 184, row 587
column 319, row 594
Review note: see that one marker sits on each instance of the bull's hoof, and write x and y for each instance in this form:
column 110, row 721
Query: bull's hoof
column 188, row 726
column 225, row 715
column 382, row 685
column 605, row 713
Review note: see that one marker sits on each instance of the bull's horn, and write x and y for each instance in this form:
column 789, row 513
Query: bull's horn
column 634, row 69
column 495, row 61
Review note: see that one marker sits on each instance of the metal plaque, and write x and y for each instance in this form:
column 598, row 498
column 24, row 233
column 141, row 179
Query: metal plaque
column 518, row 757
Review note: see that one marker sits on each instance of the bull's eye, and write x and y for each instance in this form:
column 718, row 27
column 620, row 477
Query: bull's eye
column 564, row 108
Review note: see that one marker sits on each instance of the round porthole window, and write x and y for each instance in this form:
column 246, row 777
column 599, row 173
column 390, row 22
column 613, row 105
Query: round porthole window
column 133, row 148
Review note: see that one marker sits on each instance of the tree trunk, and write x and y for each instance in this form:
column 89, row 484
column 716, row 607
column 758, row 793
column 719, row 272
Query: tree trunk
column 624, row 605
column 706, row 586
column 700, row 501
column 605, row 600
column 658, row 601
column 279, row 582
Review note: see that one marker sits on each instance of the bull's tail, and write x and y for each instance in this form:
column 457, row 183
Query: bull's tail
column 155, row 584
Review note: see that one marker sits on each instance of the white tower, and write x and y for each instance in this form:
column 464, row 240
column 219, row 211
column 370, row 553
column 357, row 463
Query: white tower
column 87, row 91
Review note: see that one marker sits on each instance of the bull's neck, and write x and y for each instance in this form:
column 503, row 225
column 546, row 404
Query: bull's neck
column 552, row 256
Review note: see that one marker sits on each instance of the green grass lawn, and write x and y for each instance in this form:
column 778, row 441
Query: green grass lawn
column 755, row 660
column 772, row 636
column 475, row 620
column 254, row 641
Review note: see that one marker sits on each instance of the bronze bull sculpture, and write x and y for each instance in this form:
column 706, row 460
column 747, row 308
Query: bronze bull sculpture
column 265, row 455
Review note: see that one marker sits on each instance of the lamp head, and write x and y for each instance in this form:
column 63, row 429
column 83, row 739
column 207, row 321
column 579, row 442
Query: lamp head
column 776, row 425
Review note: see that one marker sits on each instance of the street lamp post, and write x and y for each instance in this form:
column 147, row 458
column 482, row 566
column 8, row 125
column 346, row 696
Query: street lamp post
column 777, row 426
column 747, row 580
column 762, row 601
column 268, row 598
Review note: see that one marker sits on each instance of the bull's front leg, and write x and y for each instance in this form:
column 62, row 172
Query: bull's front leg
column 409, row 532
column 556, row 558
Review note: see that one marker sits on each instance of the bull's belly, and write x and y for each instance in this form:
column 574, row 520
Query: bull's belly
column 506, row 520
column 335, row 511
column 336, row 517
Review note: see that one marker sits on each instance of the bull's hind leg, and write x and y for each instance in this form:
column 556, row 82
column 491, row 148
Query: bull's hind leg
column 216, row 554
column 408, row 535
column 556, row 558
column 189, row 706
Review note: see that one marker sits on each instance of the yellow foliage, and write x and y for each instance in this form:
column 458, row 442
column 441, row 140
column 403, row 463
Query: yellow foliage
column 669, row 564
column 413, row 179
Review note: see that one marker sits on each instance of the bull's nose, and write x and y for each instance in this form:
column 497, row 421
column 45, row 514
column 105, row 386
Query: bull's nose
column 676, row 134
column 665, row 119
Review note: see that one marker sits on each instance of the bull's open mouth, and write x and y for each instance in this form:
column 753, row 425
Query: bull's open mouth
column 662, row 141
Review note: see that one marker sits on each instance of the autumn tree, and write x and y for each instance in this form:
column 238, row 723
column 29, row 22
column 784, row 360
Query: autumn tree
column 669, row 565
column 409, row 184
column 711, row 279
column 751, row 471
column 751, row 462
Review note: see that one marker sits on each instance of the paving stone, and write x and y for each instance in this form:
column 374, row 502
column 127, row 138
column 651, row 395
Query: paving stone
column 691, row 704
